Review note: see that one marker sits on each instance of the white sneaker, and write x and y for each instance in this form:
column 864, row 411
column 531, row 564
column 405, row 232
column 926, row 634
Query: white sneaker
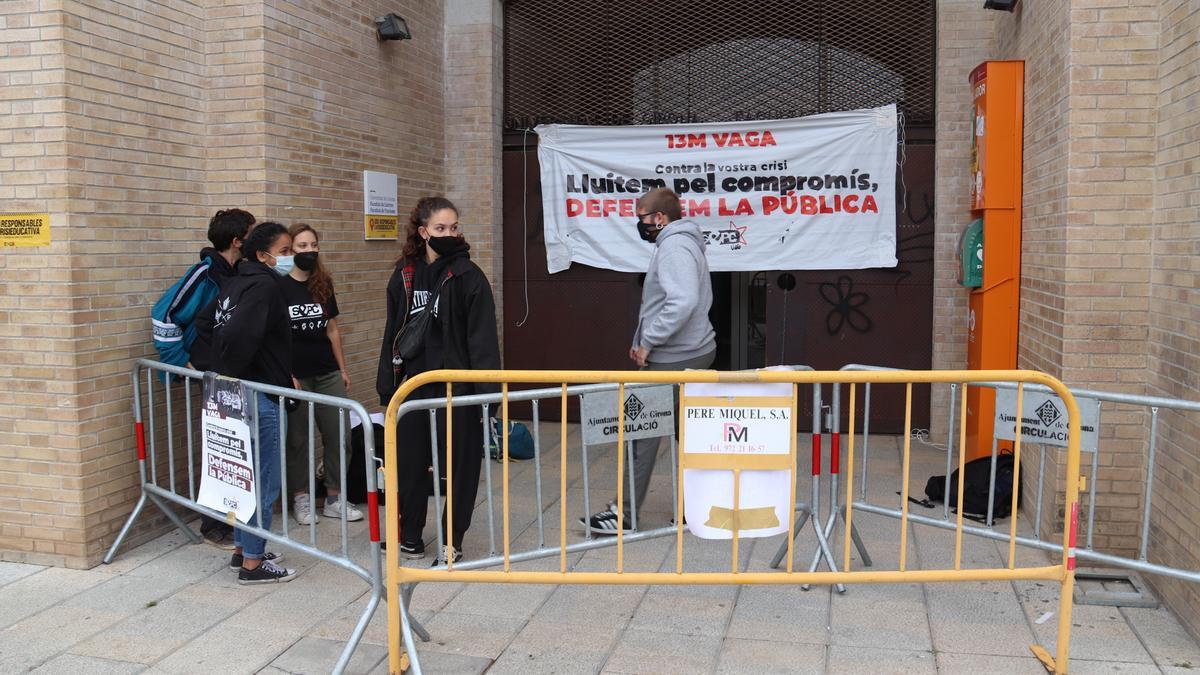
column 335, row 505
column 302, row 509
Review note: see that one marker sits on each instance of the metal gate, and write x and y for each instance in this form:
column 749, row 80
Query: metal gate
column 677, row 61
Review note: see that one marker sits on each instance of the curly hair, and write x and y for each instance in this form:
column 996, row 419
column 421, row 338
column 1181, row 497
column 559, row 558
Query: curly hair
column 414, row 245
column 261, row 238
column 320, row 282
column 227, row 225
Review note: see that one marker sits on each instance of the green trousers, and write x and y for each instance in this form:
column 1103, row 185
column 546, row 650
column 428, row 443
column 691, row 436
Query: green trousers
column 325, row 420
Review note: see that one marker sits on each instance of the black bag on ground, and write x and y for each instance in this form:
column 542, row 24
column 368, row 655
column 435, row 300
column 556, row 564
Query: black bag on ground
column 356, row 478
column 975, row 488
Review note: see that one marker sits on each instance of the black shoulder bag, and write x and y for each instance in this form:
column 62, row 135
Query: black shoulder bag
column 410, row 339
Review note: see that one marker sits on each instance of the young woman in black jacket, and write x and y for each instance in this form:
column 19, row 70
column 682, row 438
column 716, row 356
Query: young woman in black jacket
column 436, row 265
column 252, row 340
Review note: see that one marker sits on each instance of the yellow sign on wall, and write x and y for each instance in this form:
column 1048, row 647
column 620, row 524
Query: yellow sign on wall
column 24, row 229
column 382, row 227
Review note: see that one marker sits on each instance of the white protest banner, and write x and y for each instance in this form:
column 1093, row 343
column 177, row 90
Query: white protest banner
column 227, row 482
column 809, row 193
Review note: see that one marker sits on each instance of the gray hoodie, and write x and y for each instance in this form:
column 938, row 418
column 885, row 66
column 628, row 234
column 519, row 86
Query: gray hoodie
column 673, row 319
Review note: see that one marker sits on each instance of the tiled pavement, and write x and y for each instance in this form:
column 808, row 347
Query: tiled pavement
column 171, row 607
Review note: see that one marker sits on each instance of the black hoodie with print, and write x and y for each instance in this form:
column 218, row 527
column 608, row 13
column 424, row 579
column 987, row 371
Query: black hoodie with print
column 252, row 336
column 463, row 335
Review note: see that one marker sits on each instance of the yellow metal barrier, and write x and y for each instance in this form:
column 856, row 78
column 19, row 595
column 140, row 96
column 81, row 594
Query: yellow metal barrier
column 396, row 575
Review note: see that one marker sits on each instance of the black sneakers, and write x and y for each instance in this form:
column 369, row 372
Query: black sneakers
column 412, row 550
column 605, row 522
column 219, row 535
column 235, row 562
column 266, row 573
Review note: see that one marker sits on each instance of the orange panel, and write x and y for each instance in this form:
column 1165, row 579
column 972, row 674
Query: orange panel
column 995, row 191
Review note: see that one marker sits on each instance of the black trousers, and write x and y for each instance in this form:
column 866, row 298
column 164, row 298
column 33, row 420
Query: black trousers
column 415, row 484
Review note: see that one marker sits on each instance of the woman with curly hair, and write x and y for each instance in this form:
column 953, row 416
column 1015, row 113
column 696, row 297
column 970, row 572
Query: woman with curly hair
column 435, row 269
column 252, row 341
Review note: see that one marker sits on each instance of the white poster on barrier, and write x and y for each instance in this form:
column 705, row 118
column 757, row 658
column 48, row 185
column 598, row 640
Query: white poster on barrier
column 763, row 496
column 814, row 193
column 227, row 481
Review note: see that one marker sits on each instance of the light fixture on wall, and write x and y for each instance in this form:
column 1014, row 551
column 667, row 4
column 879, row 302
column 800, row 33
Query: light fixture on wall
column 392, row 26
column 1002, row 5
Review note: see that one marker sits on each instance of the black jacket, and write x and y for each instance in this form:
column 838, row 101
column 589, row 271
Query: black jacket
column 252, row 336
column 220, row 272
column 467, row 316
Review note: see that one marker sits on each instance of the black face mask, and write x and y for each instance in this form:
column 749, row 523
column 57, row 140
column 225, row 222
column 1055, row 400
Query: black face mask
column 645, row 231
column 306, row 261
column 444, row 245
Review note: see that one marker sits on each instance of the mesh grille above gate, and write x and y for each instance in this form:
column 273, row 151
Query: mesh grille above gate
column 676, row 61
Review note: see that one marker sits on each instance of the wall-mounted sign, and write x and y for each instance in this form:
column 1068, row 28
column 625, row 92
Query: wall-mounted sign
column 24, row 229
column 379, row 206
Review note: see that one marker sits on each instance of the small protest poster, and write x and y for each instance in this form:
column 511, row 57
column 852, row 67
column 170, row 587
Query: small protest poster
column 227, row 482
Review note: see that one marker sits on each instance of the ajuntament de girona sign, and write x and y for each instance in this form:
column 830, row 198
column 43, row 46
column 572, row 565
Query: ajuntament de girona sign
column 809, row 193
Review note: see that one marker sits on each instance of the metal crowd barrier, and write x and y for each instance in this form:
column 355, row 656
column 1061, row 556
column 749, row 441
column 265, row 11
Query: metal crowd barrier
column 534, row 397
column 485, row 401
column 1086, row 552
column 400, row 580
column 170, row 378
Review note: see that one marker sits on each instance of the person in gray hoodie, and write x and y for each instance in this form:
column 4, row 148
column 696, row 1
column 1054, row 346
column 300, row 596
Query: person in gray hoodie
column 673, row 331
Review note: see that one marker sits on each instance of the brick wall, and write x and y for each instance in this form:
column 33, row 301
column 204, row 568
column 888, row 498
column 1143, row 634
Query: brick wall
column 1039, row 34
column 473, row 130
column 235, row 128
column 131, row 123
column 1111, row 199
column 39, row 450
column 138, row 201
column 1089, row 192
column 1174, row 335
column 1110, row 239
column 338, row 102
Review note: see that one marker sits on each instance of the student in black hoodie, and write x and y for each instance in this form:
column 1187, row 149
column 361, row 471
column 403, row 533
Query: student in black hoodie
column 252, row 340
column 182, row 319
column 436, row 264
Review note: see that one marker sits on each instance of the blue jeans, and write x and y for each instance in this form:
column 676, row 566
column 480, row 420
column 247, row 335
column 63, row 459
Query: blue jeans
column 267, row 481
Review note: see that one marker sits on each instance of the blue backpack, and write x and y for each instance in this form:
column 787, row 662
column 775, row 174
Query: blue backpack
column 173, row 317
column 520, row 442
